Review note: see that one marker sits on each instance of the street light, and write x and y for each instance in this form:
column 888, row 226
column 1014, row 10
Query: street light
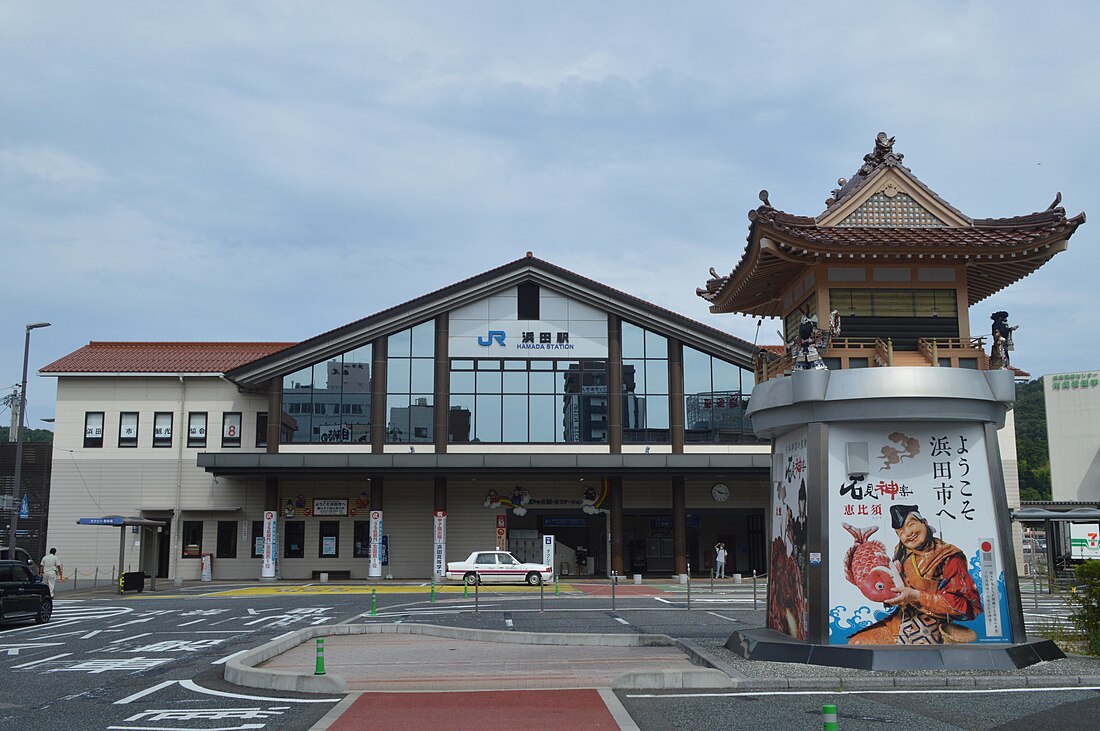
column 16, row 504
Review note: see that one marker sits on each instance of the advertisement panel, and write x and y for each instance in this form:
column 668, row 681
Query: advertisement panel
column 267, row 564
column 439, row 543
column 788, row 609
column 375, row 569
column 1084, row 540
column 913, row 544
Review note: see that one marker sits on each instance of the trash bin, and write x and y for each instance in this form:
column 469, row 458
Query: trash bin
column 737, row 578
column 637, row 578
column 323, row 577
column 206, row 566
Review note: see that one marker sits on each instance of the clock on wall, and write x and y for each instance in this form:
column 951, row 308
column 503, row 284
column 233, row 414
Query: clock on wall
column 720, row 492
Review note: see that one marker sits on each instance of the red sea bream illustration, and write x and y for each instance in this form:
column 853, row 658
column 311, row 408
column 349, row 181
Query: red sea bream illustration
column 868, row 566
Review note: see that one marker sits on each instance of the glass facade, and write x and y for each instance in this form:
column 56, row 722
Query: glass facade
column 645, row 386
column 329, row 402
column 528, row 401
column 715, row 399
column 410, row 383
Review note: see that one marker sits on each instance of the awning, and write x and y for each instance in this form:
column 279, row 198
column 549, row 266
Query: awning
column 1090, row 515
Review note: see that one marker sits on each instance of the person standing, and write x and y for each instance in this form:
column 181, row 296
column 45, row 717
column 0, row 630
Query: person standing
column 720, row 561
column 51, row 568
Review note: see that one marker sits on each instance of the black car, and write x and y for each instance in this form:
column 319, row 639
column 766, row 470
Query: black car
column 22, row 594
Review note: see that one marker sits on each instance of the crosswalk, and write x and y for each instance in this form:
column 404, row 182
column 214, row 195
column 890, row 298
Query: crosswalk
column 74, row 611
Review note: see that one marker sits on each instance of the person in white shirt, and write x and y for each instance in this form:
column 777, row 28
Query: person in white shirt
column 51, row 569
column 720, row 561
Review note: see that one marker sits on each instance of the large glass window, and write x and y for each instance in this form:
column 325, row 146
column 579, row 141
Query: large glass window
column 231, row 429
column 361, row 538
column 329, row 539
column 257, row 539
column 645, row 386
column 894, row 302
column 410, row 383
column 528, row 401
column 715, row 399
column 329, row 402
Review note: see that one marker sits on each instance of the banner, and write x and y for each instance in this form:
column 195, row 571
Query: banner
column 375, row 570
column 267, row 566
column 439, row 543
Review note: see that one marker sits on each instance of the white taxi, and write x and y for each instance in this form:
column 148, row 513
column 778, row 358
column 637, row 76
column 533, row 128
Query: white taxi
column 498, row 567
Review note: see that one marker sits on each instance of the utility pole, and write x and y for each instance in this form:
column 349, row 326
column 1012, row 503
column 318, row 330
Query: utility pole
column 13, row 535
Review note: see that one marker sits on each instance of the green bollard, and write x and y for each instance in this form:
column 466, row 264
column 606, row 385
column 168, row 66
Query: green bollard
column 465, row 589
column 433, row 590
column 373, row 602
column 556, row 591
column 828, row 717
column 320, row 657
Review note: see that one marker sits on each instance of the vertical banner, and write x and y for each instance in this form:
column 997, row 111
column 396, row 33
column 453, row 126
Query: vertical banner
column 375, row 570
column 548, row 552
column 788, row 607
column 912, row 544
column 439, row 547
column 267, row 566
column 502, row 530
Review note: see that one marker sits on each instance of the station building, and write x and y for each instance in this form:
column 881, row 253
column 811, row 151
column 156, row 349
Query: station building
column 522, row 402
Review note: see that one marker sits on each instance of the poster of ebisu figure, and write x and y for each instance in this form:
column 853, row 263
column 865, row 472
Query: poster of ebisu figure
column 788, row 610
column 913, row 551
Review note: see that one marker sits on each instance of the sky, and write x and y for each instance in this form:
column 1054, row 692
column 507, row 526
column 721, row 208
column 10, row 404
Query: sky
column 267, row 171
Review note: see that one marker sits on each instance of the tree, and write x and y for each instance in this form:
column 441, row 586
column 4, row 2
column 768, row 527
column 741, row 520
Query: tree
column 1032, row 451
column 29, row 435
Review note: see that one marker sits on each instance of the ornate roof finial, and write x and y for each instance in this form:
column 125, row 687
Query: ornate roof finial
column 1057, row 200
column 764, row 198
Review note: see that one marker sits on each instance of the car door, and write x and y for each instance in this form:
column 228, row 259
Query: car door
column 10, row 598
column 28, row 590
column 485, row 564
column 509, row 568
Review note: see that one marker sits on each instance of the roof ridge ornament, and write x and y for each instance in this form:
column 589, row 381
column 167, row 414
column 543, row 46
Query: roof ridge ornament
column 882, row 156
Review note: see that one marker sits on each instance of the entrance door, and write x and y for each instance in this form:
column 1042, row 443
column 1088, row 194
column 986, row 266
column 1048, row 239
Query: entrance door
column 164, row 552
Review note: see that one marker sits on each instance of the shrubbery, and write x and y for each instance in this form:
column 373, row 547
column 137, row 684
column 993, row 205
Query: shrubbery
column 1086, row 614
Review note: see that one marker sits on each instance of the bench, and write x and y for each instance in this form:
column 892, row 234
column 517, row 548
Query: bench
column 332, row 575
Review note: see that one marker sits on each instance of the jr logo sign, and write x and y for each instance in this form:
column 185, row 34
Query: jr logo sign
column 494, row 335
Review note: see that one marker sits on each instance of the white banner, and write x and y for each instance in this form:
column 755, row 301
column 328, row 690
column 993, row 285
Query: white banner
column 375, row 570
column 439, row 543
column 330, row 507
column 548, row 551
column 267, row 567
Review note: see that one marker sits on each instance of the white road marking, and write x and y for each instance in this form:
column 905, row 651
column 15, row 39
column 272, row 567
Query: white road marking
column 620, row 620
column 242, row 727
column 194, row 621
column 227, row 658
column 192, row 685
column 720, row 616
column 39, row 662
column 898, row 691
column 147, row 691
column 91, row 634
column 14, row 650
column 127, row 639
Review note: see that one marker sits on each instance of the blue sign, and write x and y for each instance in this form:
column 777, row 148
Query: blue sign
column 114, row 520
column 497, row 335
column 561, row 521
column 24, row 509
column 385, row 552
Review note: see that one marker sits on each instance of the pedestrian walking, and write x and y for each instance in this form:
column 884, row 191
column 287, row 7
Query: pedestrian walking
column 51, row 568
column 720, row 560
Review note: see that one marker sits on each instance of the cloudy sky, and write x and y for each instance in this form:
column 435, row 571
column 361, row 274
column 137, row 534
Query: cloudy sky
column 268, row 171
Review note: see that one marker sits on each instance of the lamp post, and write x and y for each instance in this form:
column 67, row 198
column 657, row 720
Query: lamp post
column 16, row 504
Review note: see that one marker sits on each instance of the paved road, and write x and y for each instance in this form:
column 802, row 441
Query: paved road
column 154, row 661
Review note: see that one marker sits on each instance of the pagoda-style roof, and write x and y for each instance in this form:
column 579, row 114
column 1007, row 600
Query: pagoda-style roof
column 886, row 215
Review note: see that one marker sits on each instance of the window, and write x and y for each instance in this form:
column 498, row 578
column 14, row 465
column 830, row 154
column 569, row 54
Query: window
column 528, row 294
column 257, row 539
column 329, row 540
column 645, row 386
column 794, row 319
column 329, row 402
column 361, row 548
column 528, row 401
column 894, row 302
column 410, row 384
column 162, row 429
column 192, row 539
column 231, row 429
column 93, row 429
column 261, row 429
column 128, row 429
column 196, row 429
column 227, row 539
column 295, row 539
column 715, row 400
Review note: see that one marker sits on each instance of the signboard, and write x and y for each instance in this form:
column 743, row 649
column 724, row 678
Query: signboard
column 439, row 543
column 548, row 550
column 112, row 520
column 918, row 529
column 788, row 608
column 385, row 554
column 267, row 564
column 490, row 328
column 375, row 569
column 330, row 507
column 24, row 508
column 1084, row 540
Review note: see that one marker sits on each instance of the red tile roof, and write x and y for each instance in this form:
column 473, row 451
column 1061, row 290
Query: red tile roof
column 107, row 357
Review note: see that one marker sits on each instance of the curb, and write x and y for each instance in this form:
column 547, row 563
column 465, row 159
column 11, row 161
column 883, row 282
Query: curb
column 242, row 670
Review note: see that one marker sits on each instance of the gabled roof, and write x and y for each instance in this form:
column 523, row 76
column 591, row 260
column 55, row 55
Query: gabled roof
column 528, row 268
column 782, row 247
column 99, row 358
